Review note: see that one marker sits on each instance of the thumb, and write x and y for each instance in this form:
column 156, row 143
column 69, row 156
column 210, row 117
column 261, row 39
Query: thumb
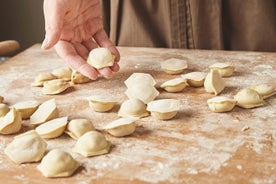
column 54, row 13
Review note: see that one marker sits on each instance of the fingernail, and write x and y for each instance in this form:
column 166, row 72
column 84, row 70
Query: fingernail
column 45, row 43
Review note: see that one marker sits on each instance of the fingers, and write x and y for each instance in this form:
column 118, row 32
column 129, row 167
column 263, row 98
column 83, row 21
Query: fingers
column 102, row 39
column 54, row 13
column 70, row 55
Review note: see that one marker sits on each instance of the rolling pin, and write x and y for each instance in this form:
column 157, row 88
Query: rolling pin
column 8, row 47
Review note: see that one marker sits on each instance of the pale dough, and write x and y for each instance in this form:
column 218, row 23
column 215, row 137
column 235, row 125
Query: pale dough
column 142, row 92
column 58, row 163
column 121, row 127
column 41, row 78
column 195, row 79
column 4, row 109
column 77, row 127
column 221, row 104
column 92, row 143
column 63, row 73
column 26, row 108
column 55, row 86
column 214, row 83
column 164, row 109
column 27, row 147
column 11, row 123
column 137, row 78
column 264, row 90
column 224, row 69
column 101, row 103
column 133, row 108
column 249, row 98
column 174, row 85
column 174, row 65
column 53, row 128
column 45, row 112
column 100, row 58
column 78, row 78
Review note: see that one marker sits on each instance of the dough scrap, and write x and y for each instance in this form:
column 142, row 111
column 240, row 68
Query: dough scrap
column 77, row 127
column 11, row 122
column 58, row 163
column 195, row 79
column 78, row 78
column 264, row 90
column 214, row 83
column 221, row 104
column 41, row 78
column 27, row 147
column 92, row 143
column 121, row 127
column 224, row 69
column 101, row 103
column 164, row 109
column 4, row 109
column 174, row 65
column 137, row 78
column 53, row 128
column 100, row 58
column 249, row 98
column 45, row 112
column 26, row 108
column 55, row 86
column 63, row 73
column 174, row 85
column 133, row 108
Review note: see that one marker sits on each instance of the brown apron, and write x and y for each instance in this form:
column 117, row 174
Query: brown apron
column 193, row 24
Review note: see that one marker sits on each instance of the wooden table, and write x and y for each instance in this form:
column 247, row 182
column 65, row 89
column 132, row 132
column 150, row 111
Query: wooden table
column 197, row 146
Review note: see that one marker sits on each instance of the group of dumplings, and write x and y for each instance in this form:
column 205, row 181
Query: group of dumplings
column 47, row 125
column 213, row 82
column 58, row 80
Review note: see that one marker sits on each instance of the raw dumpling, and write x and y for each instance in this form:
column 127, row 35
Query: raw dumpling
column 195, row 79
column 78, row 78
column 174, row 85
column 163, row 109
column 45, row 112
column 92, row 143
column 53, row 128
column 264, row 90
column 63, row 73
column 221, row 104
column 142, row 92
column 133, row 108
column 77, row 127
column 174, row 65
column 137, row 78
column 214, row 83
column 249, row 98
column 55, row 86
column 121, row 127
column 4, row 109
column 41, row 78
column 26, row 108
column 27, row 147
column 11, row 122
column 224, row 69
column 101, row 103
column 100, row 58
column 58, row 163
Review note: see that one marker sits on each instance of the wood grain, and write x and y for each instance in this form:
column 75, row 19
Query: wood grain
column 197, row 146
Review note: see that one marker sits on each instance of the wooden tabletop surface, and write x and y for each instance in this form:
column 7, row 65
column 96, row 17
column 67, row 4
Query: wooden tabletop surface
column 197, row 146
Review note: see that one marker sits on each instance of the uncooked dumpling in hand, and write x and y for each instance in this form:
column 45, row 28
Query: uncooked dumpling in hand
column 100, row 58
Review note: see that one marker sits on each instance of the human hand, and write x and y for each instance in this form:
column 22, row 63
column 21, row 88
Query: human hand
column 75, row 27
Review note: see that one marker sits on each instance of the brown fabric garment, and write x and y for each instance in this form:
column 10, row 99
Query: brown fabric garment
column 194, row 24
